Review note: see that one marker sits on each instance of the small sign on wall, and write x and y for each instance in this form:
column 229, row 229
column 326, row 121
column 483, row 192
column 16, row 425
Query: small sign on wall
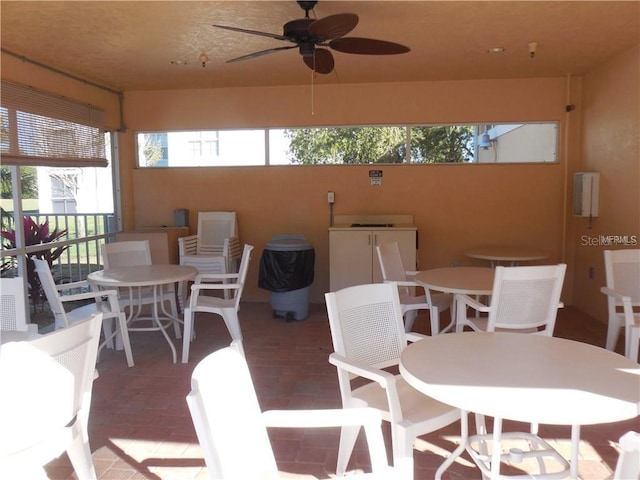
column 375, row 177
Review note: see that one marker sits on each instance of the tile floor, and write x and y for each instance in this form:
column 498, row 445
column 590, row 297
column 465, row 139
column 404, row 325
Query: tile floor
column 140, row 426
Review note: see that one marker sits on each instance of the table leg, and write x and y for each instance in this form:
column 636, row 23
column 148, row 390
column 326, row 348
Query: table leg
column 575, row 450
column 464, row 436
column 159, row 323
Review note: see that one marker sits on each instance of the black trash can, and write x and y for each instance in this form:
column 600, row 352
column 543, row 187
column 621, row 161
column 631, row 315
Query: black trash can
column 287, row 270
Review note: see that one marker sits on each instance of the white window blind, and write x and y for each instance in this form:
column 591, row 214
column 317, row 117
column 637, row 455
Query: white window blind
column 43, row 129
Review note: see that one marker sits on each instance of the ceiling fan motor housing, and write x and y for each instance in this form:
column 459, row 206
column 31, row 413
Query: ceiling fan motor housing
column 298, row 30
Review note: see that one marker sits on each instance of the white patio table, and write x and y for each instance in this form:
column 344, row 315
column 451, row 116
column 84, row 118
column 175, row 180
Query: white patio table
column 504, row 253
column 154, row 276
column 476, row 281
column 554, row 381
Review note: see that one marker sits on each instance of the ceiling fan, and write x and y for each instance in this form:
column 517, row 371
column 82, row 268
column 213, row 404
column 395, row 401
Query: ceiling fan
column 314, row 38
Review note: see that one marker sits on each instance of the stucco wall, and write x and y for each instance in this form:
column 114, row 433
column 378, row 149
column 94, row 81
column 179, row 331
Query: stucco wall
column 455, row 206
column 611, row 146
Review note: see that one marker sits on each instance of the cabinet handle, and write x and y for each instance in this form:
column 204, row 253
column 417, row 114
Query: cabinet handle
column 375, row 239
column 369, row 239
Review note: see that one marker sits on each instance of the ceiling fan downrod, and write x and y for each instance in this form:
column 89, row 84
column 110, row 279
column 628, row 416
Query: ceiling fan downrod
column 307, row 6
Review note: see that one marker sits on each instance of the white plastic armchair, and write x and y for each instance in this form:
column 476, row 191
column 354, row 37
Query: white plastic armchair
column 44, row 409
column 214, row 249
column 622, row 271
column 393, row 271
column 227, row 306
column 13, row 309
column 368, row 337
column 104, row 302
column 524, row 299
column 232, row 430
column 206, row 263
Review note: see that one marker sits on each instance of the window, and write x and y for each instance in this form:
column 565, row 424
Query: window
column 395, row 144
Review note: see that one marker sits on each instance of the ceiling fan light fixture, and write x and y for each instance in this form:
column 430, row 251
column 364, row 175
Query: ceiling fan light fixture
column 307, row 49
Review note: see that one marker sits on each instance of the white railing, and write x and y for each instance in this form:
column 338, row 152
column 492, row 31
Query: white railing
column 86, row 232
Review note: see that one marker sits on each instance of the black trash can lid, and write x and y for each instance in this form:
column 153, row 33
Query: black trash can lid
column 289, row 243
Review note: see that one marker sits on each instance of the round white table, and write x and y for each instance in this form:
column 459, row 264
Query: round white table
column 474, row 281
column 467, row 280
column 503, row 253
column 554, row 381
column 146, row 276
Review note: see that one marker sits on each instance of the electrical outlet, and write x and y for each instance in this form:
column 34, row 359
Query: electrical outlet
column 331, row 197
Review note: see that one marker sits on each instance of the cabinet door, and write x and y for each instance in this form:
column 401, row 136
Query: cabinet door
column 406, row 242
column 349, row 258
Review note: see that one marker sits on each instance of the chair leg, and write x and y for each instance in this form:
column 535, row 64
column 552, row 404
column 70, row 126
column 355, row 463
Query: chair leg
column 452, row 323
column 402, row 443
column 186, row 338
column 409, row 319
column 231, row 320
column 107, row 330
column 613, row 332
column 80, row 455
column 123, row 337
column 632, row 343
column 348, row 436
column 171, row 298
column 434, row 316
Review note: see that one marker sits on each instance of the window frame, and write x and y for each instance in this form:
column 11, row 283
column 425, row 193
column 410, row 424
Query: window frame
column 473, row 145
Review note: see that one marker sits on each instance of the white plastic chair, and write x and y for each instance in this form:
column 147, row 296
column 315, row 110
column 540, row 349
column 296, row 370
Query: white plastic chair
column 622, row 272
column 227, row 308
column 368, row 337
column 44, row 408
column 105, row 302
column 524, row 299
column 13, row 311
column 214, row 249
column 232, row 430
column 628, row 465
column 130, row 254
column 393, row 271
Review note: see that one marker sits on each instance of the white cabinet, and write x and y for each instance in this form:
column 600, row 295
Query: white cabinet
column 353, row 259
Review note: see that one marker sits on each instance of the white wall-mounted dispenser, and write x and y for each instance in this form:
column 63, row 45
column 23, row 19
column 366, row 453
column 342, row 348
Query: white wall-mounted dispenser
column 586, row 188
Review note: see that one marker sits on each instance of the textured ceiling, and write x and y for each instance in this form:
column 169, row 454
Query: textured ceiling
column 131, row 45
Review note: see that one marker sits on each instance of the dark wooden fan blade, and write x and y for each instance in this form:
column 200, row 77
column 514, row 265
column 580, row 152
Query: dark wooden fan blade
column 333, row 26
column 321, row 61
column 367, row 46
column 251, row 32
column 260, row 53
